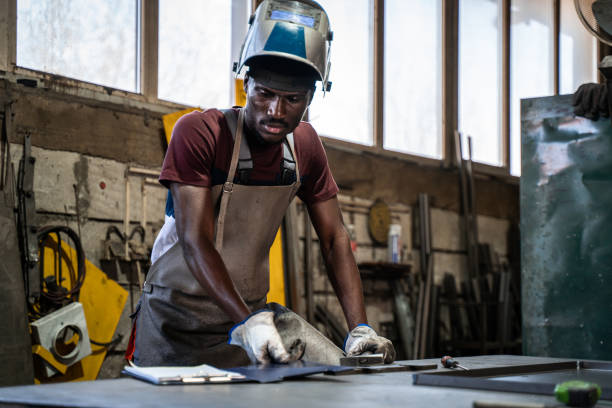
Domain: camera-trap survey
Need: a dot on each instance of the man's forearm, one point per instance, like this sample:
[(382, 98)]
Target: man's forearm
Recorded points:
[(344, 276)]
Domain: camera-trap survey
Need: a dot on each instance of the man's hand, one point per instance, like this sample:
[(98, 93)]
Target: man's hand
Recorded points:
[(591, 101), (363, 339), (258, 336)]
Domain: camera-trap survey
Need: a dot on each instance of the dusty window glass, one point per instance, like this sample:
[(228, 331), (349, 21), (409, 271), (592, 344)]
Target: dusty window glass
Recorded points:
[(578, 51), (531, 63), (479, 79), (413, 77), (346, 112), (93, 41), (195, 50)]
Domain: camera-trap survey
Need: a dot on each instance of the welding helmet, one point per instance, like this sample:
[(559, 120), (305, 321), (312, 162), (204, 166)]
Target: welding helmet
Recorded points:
[(297, 30)]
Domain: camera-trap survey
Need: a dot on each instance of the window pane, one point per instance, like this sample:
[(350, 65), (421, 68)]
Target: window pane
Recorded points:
[(413, 77), (578, 51), (346, 112), (531, 41), (479, 79), (195, 52), (94, 40)]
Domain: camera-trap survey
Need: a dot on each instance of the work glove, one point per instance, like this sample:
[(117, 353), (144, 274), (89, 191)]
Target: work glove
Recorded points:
[(591, 101), (364, 339), (258, 336)]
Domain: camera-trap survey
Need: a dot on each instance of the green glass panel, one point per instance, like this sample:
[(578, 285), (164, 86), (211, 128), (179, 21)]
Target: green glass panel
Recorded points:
[(566, 231)]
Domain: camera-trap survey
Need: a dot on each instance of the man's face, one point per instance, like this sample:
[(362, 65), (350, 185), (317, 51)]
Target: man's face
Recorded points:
[(273, 113)]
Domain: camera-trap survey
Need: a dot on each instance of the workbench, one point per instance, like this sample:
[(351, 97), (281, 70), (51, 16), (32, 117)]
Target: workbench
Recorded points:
[(393, 389)]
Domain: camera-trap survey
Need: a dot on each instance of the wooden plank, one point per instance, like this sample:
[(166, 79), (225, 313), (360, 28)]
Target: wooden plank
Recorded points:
[(450, 76), (505, 91), (149, 41), (379, 71), (8, 35), (58, 122)]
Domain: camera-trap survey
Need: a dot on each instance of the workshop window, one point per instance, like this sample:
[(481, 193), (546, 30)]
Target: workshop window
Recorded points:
[(531, 63), (578, 51), (346, 112), (480, 79), (413, 77), (195, 50), (93, 41)]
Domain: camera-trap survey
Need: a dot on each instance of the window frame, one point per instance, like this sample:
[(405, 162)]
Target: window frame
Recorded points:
[(147, 72)]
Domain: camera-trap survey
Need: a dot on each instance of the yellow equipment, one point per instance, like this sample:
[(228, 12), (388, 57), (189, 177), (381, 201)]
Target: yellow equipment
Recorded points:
[(102, 300)]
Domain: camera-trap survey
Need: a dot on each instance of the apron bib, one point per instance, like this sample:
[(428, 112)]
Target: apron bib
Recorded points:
[(177, 322)]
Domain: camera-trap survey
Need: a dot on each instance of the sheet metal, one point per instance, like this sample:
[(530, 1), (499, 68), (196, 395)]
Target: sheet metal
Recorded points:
[(566, 231)]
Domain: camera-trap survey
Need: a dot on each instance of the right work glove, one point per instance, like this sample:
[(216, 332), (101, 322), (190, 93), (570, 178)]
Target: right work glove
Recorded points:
[(591, 101), (258, 336), (364, 339)]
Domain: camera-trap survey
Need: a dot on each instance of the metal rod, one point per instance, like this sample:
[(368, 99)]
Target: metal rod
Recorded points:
[(556, 41), (505, 82), (126, 218), (308, 275)]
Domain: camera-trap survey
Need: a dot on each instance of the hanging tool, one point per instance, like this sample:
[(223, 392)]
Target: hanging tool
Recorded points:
[(578, 393), (449, 362)]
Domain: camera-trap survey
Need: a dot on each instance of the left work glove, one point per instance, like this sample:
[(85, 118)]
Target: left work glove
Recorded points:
[(363, 338), (591, 101), (258, 336)]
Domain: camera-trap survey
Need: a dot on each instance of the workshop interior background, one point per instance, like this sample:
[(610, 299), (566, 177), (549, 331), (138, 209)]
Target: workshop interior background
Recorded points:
[(85, 87)]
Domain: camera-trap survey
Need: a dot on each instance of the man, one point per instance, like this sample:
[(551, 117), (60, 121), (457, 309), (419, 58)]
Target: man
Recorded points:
[(231, 176)]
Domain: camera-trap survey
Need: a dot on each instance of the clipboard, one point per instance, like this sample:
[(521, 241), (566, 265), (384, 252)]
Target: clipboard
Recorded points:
[(183, 375), (206, 374)]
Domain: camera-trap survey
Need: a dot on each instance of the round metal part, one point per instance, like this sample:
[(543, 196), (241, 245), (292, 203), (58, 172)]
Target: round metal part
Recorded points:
[(379, 220)]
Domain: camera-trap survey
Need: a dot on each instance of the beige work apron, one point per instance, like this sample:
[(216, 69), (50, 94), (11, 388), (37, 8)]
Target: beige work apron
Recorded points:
[(177, 322)]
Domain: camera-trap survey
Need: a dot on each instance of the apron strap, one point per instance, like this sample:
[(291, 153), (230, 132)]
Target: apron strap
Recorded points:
[(228, 187), (289, 141), (245, 161)]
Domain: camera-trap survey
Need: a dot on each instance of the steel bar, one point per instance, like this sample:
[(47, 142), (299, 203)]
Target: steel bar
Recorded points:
[(404, 317), (450, 291), (424, 286), (308, 275)]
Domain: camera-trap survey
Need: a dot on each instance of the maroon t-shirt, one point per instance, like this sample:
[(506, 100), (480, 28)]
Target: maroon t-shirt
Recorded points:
[(201, 147)]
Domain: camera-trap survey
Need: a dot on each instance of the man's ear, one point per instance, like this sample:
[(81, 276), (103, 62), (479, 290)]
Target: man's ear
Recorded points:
[(311, 96), (245, 82)]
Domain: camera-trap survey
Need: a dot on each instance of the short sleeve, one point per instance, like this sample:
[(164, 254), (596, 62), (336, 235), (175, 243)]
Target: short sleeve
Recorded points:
[(190, 155), (318, 184)]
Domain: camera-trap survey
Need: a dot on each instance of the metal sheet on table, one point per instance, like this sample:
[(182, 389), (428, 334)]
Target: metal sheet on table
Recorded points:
[(601, 377)]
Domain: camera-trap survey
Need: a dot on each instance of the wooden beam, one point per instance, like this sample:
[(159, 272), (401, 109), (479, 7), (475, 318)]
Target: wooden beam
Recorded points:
[(149, 43), (450, 77), (8, 35), (505, 91), (379, 73)]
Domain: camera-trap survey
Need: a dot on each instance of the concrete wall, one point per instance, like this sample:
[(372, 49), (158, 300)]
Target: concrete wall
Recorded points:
[(84, 146)]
